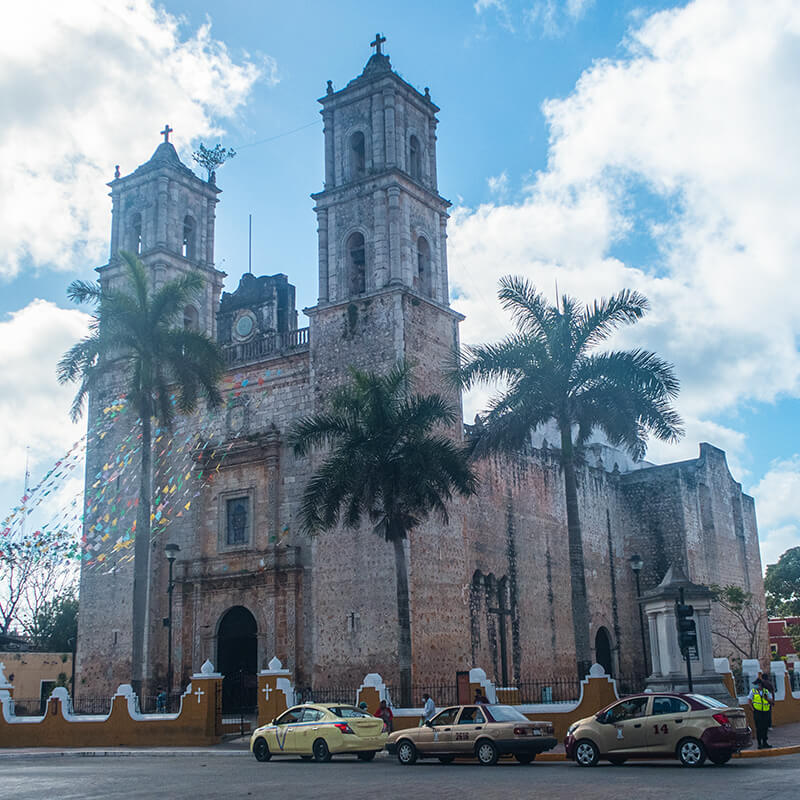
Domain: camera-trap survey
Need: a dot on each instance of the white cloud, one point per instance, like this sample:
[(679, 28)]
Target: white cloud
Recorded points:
[(33, 406), (777, 497), (554, 17), (689, 139), (84, 84), (498, 184)]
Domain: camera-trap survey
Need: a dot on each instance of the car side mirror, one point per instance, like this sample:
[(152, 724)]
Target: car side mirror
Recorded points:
[(273, 722), (602, 717), (428, 723)]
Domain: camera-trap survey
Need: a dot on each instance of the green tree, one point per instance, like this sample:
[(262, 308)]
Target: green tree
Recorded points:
[(136, 338), (548, 370), (782, 585), (390, 461), (744, 624), (54, 627)]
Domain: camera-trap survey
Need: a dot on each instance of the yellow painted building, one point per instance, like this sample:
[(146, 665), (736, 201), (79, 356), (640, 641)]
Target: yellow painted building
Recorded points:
[(34, 675)]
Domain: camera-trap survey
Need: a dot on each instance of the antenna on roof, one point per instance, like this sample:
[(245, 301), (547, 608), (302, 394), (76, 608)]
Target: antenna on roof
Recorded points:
[(250, 244)]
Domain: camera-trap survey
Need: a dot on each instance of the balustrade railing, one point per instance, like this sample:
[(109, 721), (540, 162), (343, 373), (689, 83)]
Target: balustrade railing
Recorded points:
[(263, 346)]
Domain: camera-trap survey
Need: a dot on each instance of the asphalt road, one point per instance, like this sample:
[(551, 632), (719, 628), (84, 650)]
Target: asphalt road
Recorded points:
[(235, 776)]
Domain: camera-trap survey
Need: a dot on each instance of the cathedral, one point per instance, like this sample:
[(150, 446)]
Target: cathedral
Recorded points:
[(490, 589)]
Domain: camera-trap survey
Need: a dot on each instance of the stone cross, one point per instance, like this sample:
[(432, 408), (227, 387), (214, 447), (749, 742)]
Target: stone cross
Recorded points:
[(166, 132), (266, 692), (379, 40), (199, 693)]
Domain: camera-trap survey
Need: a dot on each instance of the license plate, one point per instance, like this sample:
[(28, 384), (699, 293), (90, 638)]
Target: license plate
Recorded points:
[(537, 732), (739, 722)]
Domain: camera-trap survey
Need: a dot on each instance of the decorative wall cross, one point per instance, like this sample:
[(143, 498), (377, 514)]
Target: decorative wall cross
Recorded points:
[(379, 40), (166, 132), (266, 691), (199, 693)]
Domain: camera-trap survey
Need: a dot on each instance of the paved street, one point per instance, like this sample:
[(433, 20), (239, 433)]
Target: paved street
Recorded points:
[(234, 775)]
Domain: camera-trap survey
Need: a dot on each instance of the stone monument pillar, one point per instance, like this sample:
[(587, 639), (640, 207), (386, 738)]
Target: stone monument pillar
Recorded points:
[(669, 664)]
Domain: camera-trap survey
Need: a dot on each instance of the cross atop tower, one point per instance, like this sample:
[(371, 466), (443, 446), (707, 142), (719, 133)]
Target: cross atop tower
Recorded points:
[(166, 132), (379, 40)]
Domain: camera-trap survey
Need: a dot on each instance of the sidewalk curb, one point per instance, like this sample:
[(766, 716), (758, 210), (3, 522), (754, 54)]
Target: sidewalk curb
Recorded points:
[(775, 751), (16, 754)]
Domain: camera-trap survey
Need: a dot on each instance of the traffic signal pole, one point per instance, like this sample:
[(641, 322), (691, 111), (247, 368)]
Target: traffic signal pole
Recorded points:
[(686, 652)]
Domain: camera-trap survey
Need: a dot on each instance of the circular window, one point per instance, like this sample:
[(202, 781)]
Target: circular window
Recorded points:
[(244, 326)]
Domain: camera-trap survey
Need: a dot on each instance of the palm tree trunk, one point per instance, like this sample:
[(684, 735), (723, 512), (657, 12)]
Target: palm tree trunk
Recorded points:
[(141, 562), (403, 622), (580, 604)]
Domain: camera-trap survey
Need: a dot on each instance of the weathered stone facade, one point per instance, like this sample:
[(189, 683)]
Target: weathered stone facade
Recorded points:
[(496, 575)]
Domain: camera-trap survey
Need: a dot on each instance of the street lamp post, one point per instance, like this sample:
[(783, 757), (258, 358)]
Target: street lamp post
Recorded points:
[(171, 551), (637, 563)]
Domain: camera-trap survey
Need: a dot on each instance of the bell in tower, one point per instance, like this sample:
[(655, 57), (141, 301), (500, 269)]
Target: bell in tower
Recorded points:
[(165, 214)]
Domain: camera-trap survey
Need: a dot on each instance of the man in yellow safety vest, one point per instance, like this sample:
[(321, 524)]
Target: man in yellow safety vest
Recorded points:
[(761, 698)]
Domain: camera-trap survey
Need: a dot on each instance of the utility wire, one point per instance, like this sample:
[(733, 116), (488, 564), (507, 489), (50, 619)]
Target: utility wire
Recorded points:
[(277, 136)]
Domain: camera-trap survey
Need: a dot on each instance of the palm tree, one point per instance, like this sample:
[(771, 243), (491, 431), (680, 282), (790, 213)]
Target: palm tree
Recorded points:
[(135, 336), (549, 372), (386, 463)]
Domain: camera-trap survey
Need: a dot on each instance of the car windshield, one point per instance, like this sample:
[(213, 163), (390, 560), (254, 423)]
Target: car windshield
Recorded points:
[(348, 712), (711, 702), (506, 714)]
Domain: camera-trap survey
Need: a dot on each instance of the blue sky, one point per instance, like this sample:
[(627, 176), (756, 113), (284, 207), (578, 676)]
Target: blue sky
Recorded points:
[(595, 143)]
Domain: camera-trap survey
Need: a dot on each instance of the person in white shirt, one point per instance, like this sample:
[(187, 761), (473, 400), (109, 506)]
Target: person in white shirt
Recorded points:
[(428, 710)]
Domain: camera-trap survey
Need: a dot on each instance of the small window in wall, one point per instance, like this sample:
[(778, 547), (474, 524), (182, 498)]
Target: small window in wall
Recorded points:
[(135, 238), (357, 264), (188, 246), (358, 156), (414, 158), (237, 520), (191, 318), (423, 281)]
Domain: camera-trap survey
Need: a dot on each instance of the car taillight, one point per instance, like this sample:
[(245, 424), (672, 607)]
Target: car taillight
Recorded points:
[(721, 718), (521, 731), (344, 727)]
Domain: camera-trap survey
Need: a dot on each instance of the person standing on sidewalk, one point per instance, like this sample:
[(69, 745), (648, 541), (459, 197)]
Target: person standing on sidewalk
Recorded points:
[(428, 709), (761, 698)]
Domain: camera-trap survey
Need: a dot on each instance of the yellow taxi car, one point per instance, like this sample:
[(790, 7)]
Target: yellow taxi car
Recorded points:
[(319, 731), (689, 727), (485, 732)]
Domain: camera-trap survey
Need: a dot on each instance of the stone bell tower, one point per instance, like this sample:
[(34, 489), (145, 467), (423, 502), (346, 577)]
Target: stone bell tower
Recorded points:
[(382, 225), (165, 214), (383, 297)]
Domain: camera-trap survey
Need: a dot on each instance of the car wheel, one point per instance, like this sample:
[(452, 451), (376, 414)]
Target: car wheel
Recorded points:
[(586, 753), (486, 753), (525, 758), (368, 756), (617, 761), (719, 760), (691, 753), (406, 752), (261, 750), (321, 752), (446, 759)]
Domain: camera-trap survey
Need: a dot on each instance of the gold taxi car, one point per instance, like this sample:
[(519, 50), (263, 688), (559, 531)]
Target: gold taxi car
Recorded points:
[(319, 731), (485, 732), (689, 727)]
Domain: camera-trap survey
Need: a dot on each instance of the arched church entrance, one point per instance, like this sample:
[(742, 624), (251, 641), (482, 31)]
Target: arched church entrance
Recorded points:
[(237, 659), (602, 650)]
